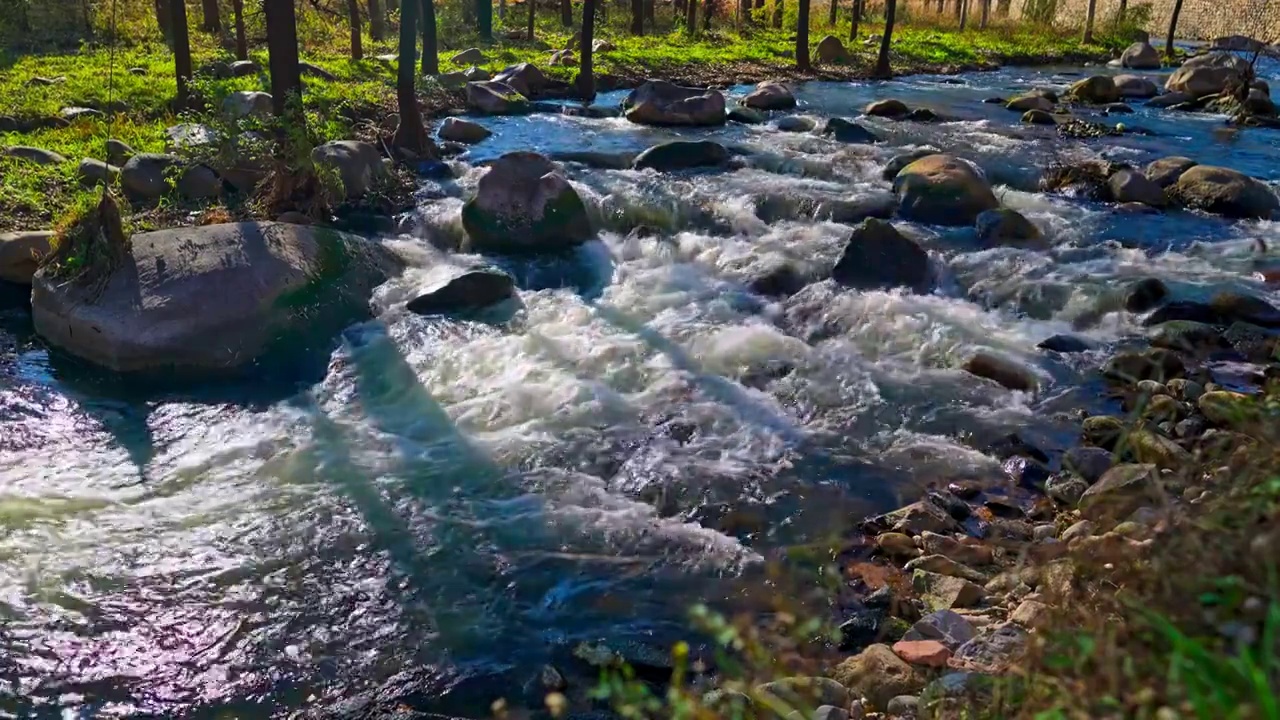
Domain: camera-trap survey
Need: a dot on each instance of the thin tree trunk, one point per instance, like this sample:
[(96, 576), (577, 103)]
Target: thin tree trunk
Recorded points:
[(532, 9), (802, 34), (566, 13), (237, 16), (940, 6), (651, 13), (431, 45), (484, 18), (1124, 7), (882, 63), (282, 50), (959, 9), (778, 9), (181, 52), (586, 83), (986, 14), (1088, 21), (964, 13), (502, 9), (637, 17), (212, 17), (164, 19), (353, 18), (691, 17), (856, 17), (377, 21), (708, 13), (831, 13), (1173, 28), (411, 135)]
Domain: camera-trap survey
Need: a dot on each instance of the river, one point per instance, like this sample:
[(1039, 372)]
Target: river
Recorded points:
[(457, 502)]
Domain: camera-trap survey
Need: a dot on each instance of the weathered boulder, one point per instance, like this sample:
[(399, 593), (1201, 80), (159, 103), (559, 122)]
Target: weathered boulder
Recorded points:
[(188, 136), (897, 162), (39, 156), (1002, 370), (357, 163), (1121, 490), (243, 68), (451, 80), (149, 175), (879, 257), (494, 98), (1003, 227), (1140, 56), (118, 153), (247, 104), (848, 131), (796, 124), (878, 674), (1145, 294), (1166, 171), (602, 45), (526, 78), (199, 182), (1135, 86), (21, 253), (470, 56), (658, 102), (564, 58), (1224, 191), (310, 69), (1132, 186), (746, 116), (524, 204), (1023, 103), (943, 190), (889, 108), (476, 74), (213, 297), (93, 172), (1038, 117), (682, 155), (806, 691), (1096, 90), (770, 95), (831, 50), (464, 131), (1207, 74), (471, 290)]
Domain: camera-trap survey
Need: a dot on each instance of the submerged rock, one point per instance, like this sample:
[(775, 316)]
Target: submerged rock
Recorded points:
[(1065, 344), (682, 155), (1038, 117), (1005, 227), (1025, 103), (21, 253), (1227, 192), (213, 297), (877, 256), (848, 131), (471, 290), (796, 123), (770, 95), (658, 102), (746, 116), (1003, 371), (524, 204), (890, 108), (1169, 99), (1145, 294), (943, 190)]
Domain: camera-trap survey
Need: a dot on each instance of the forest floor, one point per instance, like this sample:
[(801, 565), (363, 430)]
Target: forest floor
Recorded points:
[(134, 86)]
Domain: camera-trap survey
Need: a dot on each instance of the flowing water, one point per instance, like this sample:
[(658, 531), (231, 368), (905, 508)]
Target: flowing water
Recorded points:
[(457, 502)]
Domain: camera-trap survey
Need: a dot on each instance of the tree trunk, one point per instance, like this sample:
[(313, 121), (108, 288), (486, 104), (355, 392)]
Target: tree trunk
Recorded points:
[(411, 135), (882, 63), (212, 17), (566, 13), (802, 33), (586, 83), (377, 21), (856, 17), (181, 51), (431, 45), (959, 9), (831, 13), (778, 9), (484, 18), (637, 17), (940, 6), (1173, 28), (708, 13), (986, 14), (691, 17), (502, 9), (164, 19), (532, 10), (1088, 21), (237, 16), (651, 13), (353, 17), (282, 51), (964, 13), (1124, 6)]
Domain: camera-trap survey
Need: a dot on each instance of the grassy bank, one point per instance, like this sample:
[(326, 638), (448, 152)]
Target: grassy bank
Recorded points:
[(136, 85)]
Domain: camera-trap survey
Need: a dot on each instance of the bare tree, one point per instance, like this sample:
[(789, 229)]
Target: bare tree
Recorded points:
[(181, 51), (1173, 28), (882, 63), (164, 20), (964, 13), (586, 83), (411, 135), (282, 49), (212, 16), (1120, 13), (691, 17), (831, 13), (237, 16), (484, 18), (802, 33), (778, 9), (637, 17), (566, 13), (377, 21), (431, 45), (856, 18), (986, 14), (1088, 21), (353, 17), (708, 13)]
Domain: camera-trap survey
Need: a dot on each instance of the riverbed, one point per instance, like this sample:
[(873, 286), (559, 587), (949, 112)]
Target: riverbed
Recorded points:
[(449, 504)]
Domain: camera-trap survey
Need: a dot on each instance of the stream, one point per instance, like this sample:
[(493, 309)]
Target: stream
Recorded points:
[(457, 502)]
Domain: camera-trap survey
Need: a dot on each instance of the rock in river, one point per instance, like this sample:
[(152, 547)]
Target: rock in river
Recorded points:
[(1223, 191), (770, 95), (524, 204), (471, 290), (21, 253), (682, 155), (943, 190), (879, 257), (1135, 86), (1003, 371), (890, 108), (1005, 227), (494, 98), (848, 131), (1140, 56), (1096, 90), (1128, 186), (1166, 171), (1206, 74), (357, 163), (213, 297), (658, 102), (463, 131)]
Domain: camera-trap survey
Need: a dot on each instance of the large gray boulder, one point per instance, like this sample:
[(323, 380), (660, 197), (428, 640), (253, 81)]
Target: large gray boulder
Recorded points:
[(21, 253), (149, 175), (1135, 86), (213, 298), (658, 102), (526, 78), (1140, 56), (1224, 191), (1207, 74), (770, 95), (878, 257), (523, 204), (943, 190), (247, 103), (682, 155), (463, 131), (491, 97), (357, 163)]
